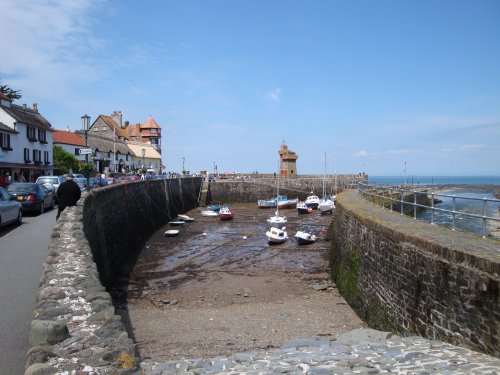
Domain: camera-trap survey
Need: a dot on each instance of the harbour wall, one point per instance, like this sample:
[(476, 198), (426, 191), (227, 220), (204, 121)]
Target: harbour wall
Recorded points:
[(257, 187), (76, 327), (411, 277)]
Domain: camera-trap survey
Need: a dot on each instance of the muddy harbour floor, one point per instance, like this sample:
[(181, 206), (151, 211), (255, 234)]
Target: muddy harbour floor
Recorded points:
[(219, 288)]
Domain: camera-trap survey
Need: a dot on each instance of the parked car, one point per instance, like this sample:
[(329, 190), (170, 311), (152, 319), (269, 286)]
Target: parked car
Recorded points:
[(124, 179), (55, 181), (82, 182), (11, 211), (33, 196), (111, 180)]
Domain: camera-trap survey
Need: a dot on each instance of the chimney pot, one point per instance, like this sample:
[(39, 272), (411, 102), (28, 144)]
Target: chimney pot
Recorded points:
[(35, 106)]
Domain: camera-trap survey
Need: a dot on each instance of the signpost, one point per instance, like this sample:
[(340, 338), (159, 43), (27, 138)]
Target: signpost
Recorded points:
[(85, 151)]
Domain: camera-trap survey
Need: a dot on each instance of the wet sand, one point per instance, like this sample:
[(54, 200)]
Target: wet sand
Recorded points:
[(210, 291)]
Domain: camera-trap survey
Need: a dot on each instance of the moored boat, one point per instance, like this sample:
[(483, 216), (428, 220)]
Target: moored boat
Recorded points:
[(312, 201), (215, 206), (276, 235), (267, 203), (209, 213), (177, 223), (326, 205), (225, 213), (303, 209), (185, 218), (277, 220), (304, 238), (171, 233), (284, 202)]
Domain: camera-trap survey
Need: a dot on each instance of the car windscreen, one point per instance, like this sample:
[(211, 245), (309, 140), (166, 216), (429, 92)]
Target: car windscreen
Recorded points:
[(49, 180), (30, 188)]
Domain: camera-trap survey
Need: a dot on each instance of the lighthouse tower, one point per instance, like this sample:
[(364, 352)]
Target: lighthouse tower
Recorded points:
[(288, 162)]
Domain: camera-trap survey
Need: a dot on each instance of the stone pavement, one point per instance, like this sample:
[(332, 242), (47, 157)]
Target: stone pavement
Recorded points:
[(361, 351)]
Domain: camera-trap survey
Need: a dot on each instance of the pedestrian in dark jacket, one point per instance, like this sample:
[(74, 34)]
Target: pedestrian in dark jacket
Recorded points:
[(68, 194)]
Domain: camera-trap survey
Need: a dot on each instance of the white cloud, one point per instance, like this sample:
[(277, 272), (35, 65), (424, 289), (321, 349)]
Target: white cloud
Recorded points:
[(361, 153), (274, 95), (472, 147)]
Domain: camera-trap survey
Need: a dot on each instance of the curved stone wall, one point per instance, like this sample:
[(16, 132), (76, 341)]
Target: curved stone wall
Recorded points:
[(75, 327), (409, 276)]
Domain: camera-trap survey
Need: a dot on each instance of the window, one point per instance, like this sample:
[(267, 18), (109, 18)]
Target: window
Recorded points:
[(153, 131), (96, 128), (46, 157), (77, 151), (27, 155), (126, 157), (42, 136), (31, 133), (37, 155), (116, 155), (5, 142)]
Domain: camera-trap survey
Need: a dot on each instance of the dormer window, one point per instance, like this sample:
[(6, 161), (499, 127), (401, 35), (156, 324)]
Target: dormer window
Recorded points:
[(96, 128)]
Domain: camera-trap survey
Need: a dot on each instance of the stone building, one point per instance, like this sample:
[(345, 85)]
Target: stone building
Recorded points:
[(288, 161)]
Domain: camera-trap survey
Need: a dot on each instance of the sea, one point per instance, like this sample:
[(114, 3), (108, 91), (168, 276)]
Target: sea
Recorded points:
[(471, 193)]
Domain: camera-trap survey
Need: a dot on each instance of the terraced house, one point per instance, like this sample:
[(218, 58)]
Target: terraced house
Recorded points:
[(25, 142)]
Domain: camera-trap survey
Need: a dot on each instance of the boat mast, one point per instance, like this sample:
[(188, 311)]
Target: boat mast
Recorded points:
[(278, 187), (335, 174), (324, 179)]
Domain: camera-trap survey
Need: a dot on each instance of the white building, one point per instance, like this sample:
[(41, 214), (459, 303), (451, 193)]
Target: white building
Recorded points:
[(25, 142)]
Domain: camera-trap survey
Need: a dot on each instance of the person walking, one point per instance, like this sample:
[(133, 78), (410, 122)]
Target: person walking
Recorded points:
[(68, 193)]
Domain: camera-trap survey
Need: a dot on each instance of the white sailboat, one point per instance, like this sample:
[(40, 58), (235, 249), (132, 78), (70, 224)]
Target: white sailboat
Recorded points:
[(326, 204), (277, 220)]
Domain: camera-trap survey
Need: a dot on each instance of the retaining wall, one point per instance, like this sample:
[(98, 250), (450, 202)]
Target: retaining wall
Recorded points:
[(76, 327), (409, 276)]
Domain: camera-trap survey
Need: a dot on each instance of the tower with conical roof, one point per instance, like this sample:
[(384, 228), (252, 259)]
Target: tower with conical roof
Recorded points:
[(151, 133), (288, 161)]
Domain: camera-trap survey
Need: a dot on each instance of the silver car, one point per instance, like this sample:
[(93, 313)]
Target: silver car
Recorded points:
[(53, 180), (11, 211)]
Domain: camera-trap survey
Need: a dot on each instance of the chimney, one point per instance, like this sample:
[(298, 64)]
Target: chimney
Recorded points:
[(25, 106), (35, 107), (126, 124), (117, 117)]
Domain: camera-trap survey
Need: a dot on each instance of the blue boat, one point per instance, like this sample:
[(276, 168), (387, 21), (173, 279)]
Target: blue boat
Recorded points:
[(215, 206)]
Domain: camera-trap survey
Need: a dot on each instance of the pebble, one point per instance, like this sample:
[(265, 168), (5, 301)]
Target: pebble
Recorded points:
[(362, 351)]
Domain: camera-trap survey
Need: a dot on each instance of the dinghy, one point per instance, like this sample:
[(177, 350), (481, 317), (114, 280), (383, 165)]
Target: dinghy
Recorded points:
[(225, 213), (185, 218), (176, 223), (171, 233), (209, 213)]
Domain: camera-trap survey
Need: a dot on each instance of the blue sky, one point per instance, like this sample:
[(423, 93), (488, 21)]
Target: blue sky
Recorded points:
[(374, 84)]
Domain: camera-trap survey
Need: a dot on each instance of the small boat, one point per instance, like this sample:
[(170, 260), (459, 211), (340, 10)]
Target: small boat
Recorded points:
[(225, 213), (267, 203), (276, 235), (304, 238), (312, 201), (326, 205), (277, 220), (176, 223), (284, 202), (186, 218), (171, 233), (303, 209), (215, 206), (209, 213)]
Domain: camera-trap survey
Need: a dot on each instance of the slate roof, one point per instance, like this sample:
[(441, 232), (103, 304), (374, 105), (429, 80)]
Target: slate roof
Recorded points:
[(7, 129), (113, 125), (103, 144), (68, 138), (27, 116)]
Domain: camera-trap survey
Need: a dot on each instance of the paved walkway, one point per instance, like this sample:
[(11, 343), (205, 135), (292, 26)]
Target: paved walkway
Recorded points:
[(361, 351)]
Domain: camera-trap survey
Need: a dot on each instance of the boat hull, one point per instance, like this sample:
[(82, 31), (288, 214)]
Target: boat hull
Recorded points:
[(266, 203)]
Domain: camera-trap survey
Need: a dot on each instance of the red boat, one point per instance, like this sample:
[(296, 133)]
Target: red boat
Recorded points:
[(225, 213)]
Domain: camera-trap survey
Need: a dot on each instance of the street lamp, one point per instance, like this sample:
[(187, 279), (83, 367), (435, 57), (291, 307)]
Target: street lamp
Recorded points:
[(85, 128), (143, 154)]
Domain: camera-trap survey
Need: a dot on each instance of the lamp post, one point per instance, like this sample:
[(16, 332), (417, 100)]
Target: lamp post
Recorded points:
[(143, 154), (183, 160), (85, 128)]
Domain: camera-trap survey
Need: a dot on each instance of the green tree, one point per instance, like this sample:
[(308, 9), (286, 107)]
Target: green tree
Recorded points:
[(12, 94), (65, 161)]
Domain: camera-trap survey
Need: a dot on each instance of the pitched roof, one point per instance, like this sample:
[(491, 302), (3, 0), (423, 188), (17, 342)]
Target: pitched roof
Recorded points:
[(113, 125), (7, 129), (150, 124), (68, 138), (28, 116), (134, 130), (103, 144), (151, 152)]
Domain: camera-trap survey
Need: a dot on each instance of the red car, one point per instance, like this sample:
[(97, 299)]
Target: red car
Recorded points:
[(124, 179)]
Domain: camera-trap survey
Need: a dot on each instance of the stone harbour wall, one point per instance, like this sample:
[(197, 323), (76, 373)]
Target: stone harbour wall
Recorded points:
[(76, 329), (253, 188), (411, 277)]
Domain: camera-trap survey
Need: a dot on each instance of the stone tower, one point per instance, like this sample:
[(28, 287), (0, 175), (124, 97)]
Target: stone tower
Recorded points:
[(288, 162)]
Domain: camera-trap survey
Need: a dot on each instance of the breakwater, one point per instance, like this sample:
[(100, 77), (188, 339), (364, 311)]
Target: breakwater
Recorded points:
[(410, 277), (265, 186)]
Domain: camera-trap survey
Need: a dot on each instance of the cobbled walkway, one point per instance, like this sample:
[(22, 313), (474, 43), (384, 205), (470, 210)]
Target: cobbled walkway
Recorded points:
[(361, 351)]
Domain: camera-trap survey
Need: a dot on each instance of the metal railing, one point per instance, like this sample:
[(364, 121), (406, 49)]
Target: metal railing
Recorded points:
[(411, 201)]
